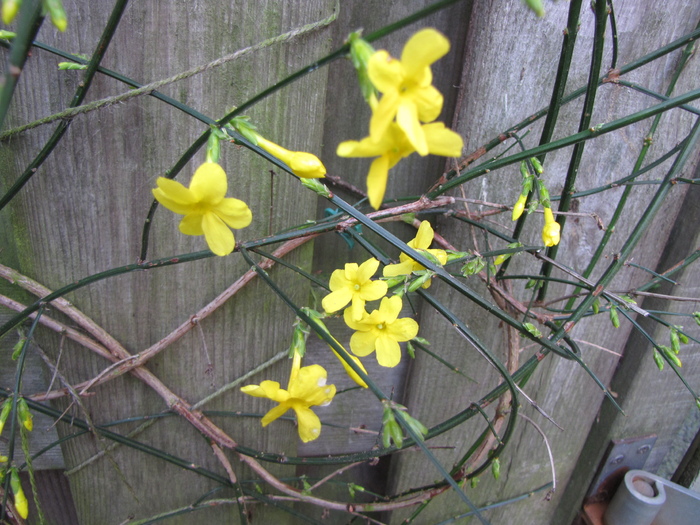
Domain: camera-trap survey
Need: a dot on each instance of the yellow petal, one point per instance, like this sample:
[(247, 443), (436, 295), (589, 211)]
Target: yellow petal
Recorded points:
[(219, 237), (403, 329), (376, 181), (363, 343), (383, 115), (357, 307), (274, 413), (442, 141), (424, 237), (192, 224), (390, 307), (407, 119), (422, 49), (403, 268), (385, 72), (174, 196), (338, 280), (234, 212), (388, 352), (308, 422), (373, 290), (428, 101), (308, 385), (334, 301), (268, 389), (209, 183), (366, 270)]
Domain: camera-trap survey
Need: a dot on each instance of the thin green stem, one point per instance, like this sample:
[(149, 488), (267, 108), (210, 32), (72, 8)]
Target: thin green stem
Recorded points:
[(601, 17)]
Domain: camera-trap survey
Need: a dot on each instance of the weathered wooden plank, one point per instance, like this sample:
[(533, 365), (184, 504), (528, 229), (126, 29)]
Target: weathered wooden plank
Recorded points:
[(84, 211)]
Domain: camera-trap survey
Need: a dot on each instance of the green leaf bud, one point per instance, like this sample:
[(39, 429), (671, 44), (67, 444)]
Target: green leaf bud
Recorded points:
[(213, 148), (596, 306), (531, 328), (315, 186), (57, 14), (474, 482), (496, 468), (535, 6), (411, 351), (7, 35), (24, 415), (614, 319), (65, 66), (675, 341), (360, 52), (474, 266), (658, 359), (17, 349), (537, 165), (5, 412), (670, 354), (424, 276)]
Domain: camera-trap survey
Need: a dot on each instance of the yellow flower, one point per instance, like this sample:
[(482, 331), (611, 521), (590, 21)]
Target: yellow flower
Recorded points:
[(204, 206), (519, 207), (406, 85), (394, 145), (551, 229), (421, 242), (382, 331), (354, 284), (302, 164), (307, 387)]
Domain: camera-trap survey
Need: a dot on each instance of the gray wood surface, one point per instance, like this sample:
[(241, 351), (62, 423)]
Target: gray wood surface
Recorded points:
[(84, 210)]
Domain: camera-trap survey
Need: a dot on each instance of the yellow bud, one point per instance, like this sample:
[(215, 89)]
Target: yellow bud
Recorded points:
[(302, 164), (519, 207)]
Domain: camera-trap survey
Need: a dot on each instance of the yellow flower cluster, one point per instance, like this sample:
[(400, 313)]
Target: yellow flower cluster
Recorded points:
[(408, 99)]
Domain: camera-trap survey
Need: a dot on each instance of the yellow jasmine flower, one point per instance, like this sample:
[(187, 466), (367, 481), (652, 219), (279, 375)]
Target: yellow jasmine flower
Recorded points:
[(394, 145), (421, 242), (302, 164), (382, 331), (551, 229), (207, 212), (406, 85), (307, 387), (354, 284), (519, 207)]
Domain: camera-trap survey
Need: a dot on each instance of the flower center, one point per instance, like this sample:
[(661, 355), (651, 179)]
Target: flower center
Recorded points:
[(357, 287), (380, 326)]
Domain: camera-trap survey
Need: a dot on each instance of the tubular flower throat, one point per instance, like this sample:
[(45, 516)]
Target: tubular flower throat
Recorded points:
[(382, 331), (421, 242), (303, 164), (307, 387), (406, 85), (354, 284), (551, 230), (392, 146), (205, 208)]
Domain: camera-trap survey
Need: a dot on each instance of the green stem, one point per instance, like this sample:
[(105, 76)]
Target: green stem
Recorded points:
[(601, 17)]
